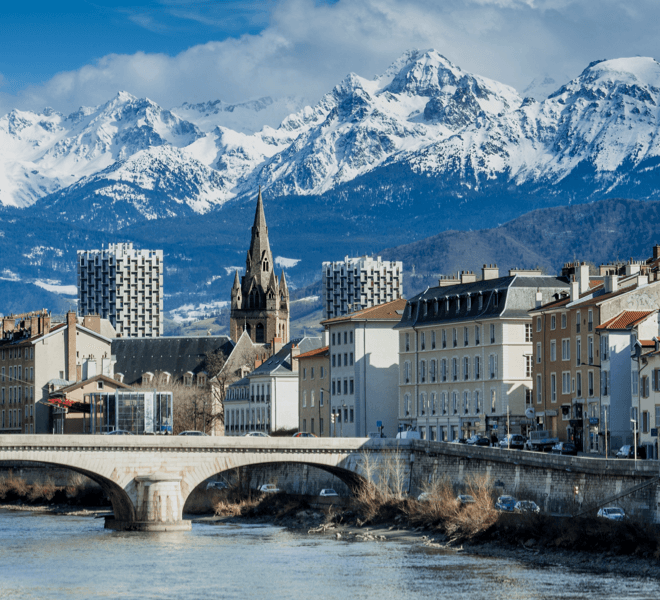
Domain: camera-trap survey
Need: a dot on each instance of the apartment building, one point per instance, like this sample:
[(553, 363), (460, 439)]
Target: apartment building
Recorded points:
[(314, 392), (364, 370), (357, 283), (646, 420), (585, 388), (36, 356), (465, 353), (267, 398), (125, 286)]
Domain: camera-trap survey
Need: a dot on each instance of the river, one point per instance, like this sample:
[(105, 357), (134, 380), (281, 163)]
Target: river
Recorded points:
[(46, 556)]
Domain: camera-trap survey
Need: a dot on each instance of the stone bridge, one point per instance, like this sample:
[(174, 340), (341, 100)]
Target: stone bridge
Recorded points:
[(149, 478)]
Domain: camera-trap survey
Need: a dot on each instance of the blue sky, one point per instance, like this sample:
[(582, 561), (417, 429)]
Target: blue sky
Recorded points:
[(68, 54)]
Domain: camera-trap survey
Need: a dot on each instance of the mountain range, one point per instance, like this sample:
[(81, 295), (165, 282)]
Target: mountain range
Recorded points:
[(423, 148)]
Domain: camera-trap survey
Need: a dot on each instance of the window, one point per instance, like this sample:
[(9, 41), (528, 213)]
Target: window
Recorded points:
[(496, 299), (539, 392), (466, 402), (469, 302), (481, 301), (553, 322), (528, 366), (590, 349), (538, 352), (333, 339), (406, 372), (566, 349), (553, 387), (321, 398), (345, 359), (304, 399), (422, 404), (345, 337), (635, 383), (590, 383), (304, 373), (528, 332), (577, 322), (351, 359), (322, 375), (454, 337), (477, 402), (604, 348), (477, 367), (590, 322), (444, 403), (528, 397), (433, 368), (538, 323), (477, 339), (423, 340), (493, 400), (407, 342), (352, 414), (578, 351), (553, 350), (566, 382), (492, 333), (563, 321), (492, 366), (645, 386), (657, 416), (350, 336), (604, 383), (443, 369), (466, 338), (321, 426), (578, 384), (645, 421), (454, 402), (351, 389), (406, 405), (466, 368), (454, 369), (422, 371), (433, 340), (434, 402), (345, 387), (311, 373), (334, 391), (334, 360)]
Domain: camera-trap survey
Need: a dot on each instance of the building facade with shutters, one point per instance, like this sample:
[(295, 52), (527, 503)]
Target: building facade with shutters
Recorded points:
[(357, 283), (465, 354), (125, 286), (314, 392)]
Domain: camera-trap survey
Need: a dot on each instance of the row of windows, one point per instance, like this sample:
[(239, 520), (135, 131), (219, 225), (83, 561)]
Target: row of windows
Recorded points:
[(321, 426), (449, 403), (566, 350), (255, 419), (564, 321), (312, 371), (348, 359), (463, 369), (348, 337), (17, 353), (453, 305), (311, 398), (432, 337), (349, 387), (348, 412), (15, 373), (16, 394), (13, 419), (572, 385)]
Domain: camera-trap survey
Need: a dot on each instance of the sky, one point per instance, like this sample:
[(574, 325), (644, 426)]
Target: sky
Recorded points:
[(68, 54)]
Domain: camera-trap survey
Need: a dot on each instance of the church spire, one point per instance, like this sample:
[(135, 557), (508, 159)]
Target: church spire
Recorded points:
[(259, 216)]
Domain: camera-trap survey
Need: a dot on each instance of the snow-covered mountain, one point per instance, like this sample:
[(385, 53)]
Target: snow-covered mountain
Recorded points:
[(424, 126)]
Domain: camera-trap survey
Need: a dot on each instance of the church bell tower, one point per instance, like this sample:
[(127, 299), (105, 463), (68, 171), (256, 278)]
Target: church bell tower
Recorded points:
[(260, 300)]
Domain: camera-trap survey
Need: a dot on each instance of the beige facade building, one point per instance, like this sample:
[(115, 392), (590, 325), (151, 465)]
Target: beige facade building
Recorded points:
[(314, 392), (465, 354), (36, 356), (125, 286)]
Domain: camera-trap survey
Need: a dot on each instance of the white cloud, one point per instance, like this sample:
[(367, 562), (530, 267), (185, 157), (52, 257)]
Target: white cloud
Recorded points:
[(309, 46)]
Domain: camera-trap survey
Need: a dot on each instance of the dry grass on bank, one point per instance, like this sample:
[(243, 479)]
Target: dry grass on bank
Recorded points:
[(77, 491)]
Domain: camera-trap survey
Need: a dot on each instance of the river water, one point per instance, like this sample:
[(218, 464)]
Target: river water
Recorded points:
[(46, 556)]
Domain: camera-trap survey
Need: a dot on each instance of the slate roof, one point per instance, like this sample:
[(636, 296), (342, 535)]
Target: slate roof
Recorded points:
[(380, 312), (431, 306), (625, 319), (280, 363), (176, 355)]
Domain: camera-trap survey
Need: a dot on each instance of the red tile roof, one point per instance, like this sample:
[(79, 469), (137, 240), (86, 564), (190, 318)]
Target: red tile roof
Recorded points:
[(380, 312), (313, 353), (625, 319)]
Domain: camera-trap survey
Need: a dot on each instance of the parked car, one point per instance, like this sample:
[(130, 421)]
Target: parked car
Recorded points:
[(541, 441), (192, 433), (409, 435), (613, 513), (216, 485), (459, 441), (269, 488), (629, 452), (567, 448), (465, 499), (256, 434), (478, 440), (506, 503), (328, 492), (303, 434), (517, 441), (526, 506), (118, 432)]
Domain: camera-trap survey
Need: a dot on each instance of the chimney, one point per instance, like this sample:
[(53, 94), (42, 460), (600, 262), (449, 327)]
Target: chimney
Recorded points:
[(575, 289), (539, 298), (656, 252), (71, 372), (447, 280), (583, 278), (631, 268), (92, 322), (276, 344), (611, 283), (295, 353), (468, 277), (489, 272)]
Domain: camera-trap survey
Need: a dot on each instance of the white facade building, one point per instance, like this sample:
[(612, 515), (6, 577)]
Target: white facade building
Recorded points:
[(364, 370), (357, 283), (125, 286)]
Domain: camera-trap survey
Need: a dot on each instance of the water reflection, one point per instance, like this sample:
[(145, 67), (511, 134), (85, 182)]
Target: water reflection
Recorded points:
[(73, 557)]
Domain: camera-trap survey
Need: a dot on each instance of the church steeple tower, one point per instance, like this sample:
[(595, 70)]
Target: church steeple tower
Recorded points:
[(258, 305)]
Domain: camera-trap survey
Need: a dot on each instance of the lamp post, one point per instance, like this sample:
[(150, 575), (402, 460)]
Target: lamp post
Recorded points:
[(634, 422)]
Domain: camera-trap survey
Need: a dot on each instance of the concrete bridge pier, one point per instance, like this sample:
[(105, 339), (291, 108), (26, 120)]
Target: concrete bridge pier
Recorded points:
[(158, 505)]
